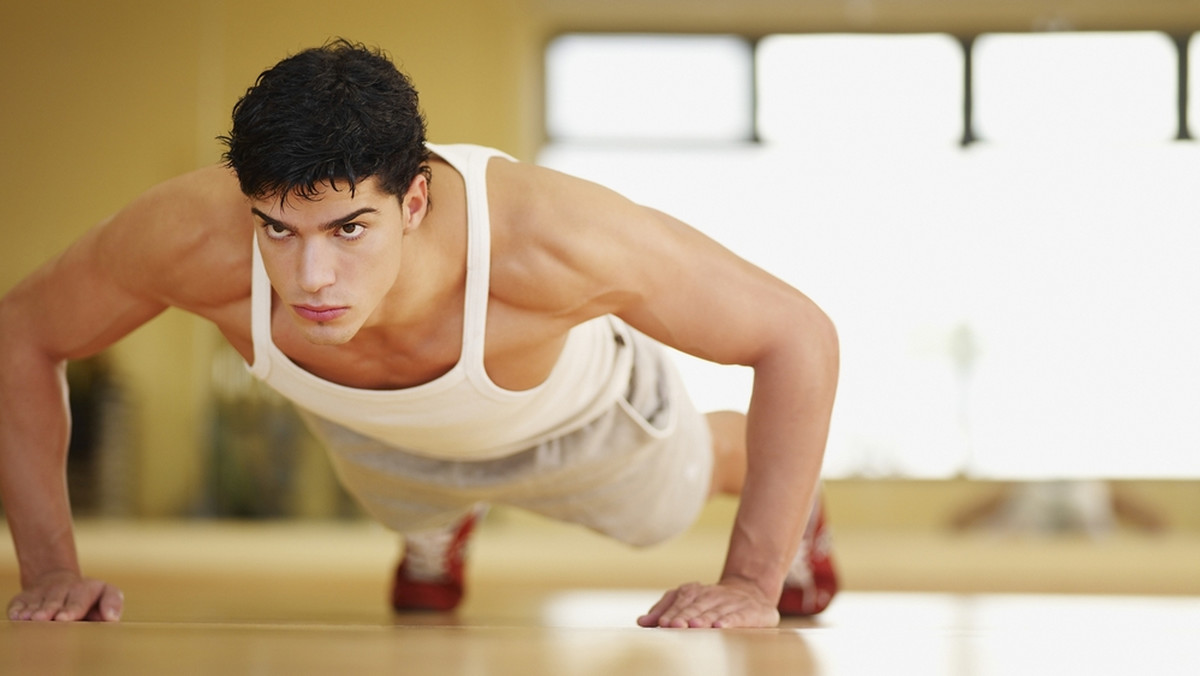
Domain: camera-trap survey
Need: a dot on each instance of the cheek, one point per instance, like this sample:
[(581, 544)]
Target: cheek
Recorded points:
[(277, 269), (377, 274)]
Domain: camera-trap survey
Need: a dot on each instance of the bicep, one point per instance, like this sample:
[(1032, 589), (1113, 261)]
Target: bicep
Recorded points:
[(701, 298), (164, 248), (662, 276), (78, 303)]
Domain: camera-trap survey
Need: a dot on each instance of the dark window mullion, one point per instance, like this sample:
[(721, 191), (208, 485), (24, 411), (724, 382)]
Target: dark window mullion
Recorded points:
[(755, 132), (968, 47), (1181, 49)]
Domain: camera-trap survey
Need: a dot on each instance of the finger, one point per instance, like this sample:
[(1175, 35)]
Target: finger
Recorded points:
[(51, 602), (704, 612), (748, 617), (651, 618), (731, 619), (80, 600), (26, 604), (688, 602), (16, 609), (717, 607), (723, 610), (704, 619), (112, 604), (681, 597), (713, 606), (83, 602)]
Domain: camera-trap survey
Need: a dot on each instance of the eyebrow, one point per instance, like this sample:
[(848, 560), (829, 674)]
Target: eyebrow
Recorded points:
[(330, 225)]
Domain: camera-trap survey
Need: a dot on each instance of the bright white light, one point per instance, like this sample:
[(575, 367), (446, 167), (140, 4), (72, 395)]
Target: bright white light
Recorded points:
[(1063, 87), (1084, 301), (1019, 311), (597, 608), (628, 87), (861, 89)]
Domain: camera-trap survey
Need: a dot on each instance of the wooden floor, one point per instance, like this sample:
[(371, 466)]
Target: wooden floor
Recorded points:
[(576, 633), (308, 599)]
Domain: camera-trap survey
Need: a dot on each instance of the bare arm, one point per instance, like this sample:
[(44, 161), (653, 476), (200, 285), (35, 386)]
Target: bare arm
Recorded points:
[(747, 317), (115, 278), (68, 309), (685, 290)]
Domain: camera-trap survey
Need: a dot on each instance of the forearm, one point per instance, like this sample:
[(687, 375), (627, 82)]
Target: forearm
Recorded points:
[(787, 429), (34, 428)]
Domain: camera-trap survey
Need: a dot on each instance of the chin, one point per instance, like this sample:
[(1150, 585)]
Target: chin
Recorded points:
[(328, 341), (328, 336)]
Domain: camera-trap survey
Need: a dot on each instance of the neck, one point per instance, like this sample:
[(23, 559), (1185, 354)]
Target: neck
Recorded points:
[(429, 290)]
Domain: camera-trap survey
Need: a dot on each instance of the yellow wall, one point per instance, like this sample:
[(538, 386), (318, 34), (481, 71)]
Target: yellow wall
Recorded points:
[(99, 100)]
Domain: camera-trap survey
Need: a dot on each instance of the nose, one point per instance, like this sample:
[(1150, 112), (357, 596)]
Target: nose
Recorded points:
[(316, 269)]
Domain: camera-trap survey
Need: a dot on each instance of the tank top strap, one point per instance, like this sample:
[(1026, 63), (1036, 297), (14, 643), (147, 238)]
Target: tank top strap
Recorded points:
[(260, 315), (472, 163), (479, 265)]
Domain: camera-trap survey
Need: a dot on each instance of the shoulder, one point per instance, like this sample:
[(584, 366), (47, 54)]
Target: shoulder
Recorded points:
[(531, 190), (563, 243), (183, 242), (172, 246)]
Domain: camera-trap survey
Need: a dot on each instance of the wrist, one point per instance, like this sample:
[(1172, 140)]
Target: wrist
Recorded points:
[(766, 589), (41, 578)]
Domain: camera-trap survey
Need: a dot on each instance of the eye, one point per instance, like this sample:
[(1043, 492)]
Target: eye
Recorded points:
[(276, 231), (351, 231)]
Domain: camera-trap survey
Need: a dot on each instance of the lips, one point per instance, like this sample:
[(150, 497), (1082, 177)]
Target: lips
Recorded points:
[(319, 314)]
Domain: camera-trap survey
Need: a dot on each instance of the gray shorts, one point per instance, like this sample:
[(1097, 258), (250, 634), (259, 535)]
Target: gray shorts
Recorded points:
[(639, 473)]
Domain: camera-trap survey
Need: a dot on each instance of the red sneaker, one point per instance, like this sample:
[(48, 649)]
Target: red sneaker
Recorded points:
[(812, 581), (430, 576)]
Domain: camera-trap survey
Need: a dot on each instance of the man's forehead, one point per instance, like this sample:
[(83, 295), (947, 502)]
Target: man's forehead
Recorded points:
[(320, 198)]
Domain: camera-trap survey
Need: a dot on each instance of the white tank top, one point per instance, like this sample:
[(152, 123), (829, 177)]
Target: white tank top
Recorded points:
[(461, 415)]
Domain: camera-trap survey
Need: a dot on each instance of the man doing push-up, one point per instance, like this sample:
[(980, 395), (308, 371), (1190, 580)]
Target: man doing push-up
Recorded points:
[(460, 329)]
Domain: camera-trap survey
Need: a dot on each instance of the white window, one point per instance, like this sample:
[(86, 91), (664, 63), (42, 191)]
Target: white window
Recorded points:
[(1103, 88), (658, 88), (849, 90), (1022, 307)]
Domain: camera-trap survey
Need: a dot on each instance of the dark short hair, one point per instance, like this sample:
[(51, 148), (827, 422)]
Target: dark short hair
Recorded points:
[(340, 112)]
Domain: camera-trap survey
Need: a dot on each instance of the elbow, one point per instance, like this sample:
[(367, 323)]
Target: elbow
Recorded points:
[(822, 345), (19, 345), (813, 330), (827, 335), (806, 341)]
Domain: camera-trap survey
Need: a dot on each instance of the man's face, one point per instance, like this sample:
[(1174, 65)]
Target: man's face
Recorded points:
[(333, 258)]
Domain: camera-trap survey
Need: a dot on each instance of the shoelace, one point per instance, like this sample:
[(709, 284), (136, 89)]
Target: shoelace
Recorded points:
[(799, 574), (425, 553)]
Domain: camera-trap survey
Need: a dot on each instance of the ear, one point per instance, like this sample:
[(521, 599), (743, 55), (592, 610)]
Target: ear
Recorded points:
[(414, 204)]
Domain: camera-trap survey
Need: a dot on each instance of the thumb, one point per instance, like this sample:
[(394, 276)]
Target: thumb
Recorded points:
[(112, 603)]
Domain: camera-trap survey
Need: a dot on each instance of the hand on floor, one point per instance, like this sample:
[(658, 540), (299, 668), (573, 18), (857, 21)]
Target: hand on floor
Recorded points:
[(725, 605), (65, 597)]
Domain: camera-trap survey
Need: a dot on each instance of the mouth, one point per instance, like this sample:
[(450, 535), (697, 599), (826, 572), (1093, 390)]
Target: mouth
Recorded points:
[(319, 313)]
